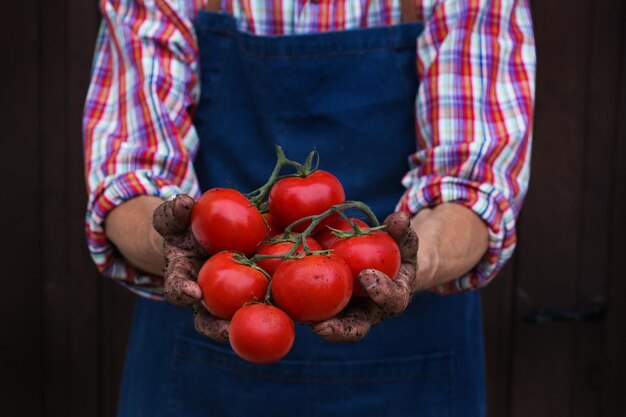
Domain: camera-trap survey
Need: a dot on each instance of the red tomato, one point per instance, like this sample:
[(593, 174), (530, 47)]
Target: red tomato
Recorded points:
[(224, 219), (269, 265), (260, 333), (376, 250), (293, 198), (227, 285), (273, 227), (313, 288), (326, 238)]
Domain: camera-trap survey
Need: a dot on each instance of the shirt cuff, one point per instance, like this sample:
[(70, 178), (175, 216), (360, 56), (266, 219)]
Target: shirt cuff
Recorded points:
[(484, 200), (113, 192)]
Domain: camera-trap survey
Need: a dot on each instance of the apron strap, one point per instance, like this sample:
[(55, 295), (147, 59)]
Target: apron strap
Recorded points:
[(409, 14)]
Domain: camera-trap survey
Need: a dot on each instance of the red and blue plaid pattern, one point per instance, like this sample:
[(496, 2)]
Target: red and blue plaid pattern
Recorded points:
[(476, 63)]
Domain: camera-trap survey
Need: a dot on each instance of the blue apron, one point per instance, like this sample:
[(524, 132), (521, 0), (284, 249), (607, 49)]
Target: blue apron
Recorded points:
[(351, 95)]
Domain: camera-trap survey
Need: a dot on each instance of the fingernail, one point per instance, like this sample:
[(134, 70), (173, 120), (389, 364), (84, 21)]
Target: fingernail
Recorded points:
[(324, 331), (193, 291), (372, 285), (368, 281)]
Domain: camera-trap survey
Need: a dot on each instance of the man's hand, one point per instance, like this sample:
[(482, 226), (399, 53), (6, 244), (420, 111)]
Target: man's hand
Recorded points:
[(453, 239), (183, 259), (386, 296)]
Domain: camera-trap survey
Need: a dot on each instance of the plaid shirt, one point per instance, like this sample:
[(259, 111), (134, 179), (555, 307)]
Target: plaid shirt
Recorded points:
[(475, 61)]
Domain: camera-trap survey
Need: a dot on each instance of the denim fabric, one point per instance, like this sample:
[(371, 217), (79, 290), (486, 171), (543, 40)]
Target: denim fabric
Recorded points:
[(351, 95)]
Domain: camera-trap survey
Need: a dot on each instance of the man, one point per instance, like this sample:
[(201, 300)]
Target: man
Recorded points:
[(183, 99)]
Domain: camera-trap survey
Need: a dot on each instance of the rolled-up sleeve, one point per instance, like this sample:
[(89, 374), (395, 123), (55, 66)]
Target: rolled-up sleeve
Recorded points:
[(137, 126), (476, 62)]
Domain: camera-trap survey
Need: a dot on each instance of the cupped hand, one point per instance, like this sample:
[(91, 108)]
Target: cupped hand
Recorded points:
[(183, 259), (387, 297)]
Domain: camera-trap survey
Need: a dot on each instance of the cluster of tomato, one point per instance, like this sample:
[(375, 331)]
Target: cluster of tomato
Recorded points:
[(296, 262)]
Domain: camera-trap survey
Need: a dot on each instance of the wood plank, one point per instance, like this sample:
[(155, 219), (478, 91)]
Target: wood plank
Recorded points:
[(85, 341), (589, 367), (115, 318), (54, 215), (498, 326), (547, 257), (614, 401), (117, 307), (21, 313)]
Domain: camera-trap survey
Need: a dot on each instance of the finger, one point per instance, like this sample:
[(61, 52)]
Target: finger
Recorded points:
[(409, 247), (399, 228), (397, 223), (184, 244), (183, 260), (181, 291), (210, 326), (391, 296), (346, 328), (181, 272), (406, 279), (173, 217)]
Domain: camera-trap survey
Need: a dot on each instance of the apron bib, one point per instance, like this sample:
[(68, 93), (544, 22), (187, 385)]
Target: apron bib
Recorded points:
[(351, 95)]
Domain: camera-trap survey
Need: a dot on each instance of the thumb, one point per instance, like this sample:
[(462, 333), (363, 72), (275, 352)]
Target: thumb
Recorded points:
[(399, 228), (390, 295), (173, 217)]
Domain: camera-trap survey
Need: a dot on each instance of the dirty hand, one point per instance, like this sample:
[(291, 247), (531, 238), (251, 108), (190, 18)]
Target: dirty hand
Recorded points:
[(183, 259), (387, 297)]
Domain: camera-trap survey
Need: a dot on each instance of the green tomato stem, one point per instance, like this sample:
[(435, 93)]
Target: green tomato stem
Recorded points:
[(307, 168), (301, 238), (258, 196), (355, 227), (268, 293), (315, 221), (338, 208), (295, 239)]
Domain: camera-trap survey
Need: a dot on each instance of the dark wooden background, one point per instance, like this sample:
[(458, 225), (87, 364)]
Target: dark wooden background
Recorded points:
[(64, 329)]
